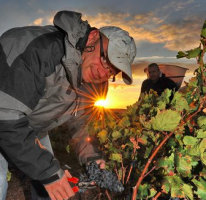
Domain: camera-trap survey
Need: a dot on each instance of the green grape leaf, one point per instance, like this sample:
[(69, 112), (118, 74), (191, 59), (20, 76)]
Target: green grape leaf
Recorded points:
[(68, 149), (166, 162), (203, 31), (187, 189), (152, 192), (171, 142), (193, 83), (174, 184), (183, 164), (116, 157), (103, 136), (177, 192), (203, 172), (124, 122), (201, 188), (143, 191), (166, 120), (180, 54), (126, 132), (203, 157), (204, 89), (202, 145), (127, 154), (161, 105), (149, 97), (201, 133), (112, 148), (131, 110), (193, 53), (164, 99), (165, 96), (150, 134), (179, 102), (189, 140), (148, 151), (8, 175), (166, 187), (201, 121), (116, 135), (111, 123), (193, 150), (145, 108), (146, 124)]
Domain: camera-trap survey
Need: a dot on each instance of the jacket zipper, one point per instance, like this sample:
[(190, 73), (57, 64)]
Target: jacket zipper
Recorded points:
[(76, 107)]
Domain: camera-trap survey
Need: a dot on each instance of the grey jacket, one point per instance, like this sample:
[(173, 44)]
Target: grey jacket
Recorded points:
[(40, 87)]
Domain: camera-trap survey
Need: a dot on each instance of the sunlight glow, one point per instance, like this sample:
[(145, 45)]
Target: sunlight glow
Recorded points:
[(101, 103)]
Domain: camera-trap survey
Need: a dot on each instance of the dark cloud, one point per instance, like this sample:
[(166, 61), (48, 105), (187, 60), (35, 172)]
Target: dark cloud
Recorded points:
[(138, 68)]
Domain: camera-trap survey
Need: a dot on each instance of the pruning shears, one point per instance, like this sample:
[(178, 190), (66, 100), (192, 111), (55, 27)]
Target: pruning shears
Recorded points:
[(84, 185), (81, 185)]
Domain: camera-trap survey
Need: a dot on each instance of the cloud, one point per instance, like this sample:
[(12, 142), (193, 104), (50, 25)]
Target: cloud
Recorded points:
[(149, 27), (154, 27), (138, 69), (38, 22), (175, 36), (182, 4), (120, 85), (45, 19)]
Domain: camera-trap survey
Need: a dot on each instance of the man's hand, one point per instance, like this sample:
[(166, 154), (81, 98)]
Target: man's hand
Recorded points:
[(101, 163), (60, 189)]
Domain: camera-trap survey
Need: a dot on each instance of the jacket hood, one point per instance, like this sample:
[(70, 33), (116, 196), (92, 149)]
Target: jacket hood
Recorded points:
[(75, 29), (72, 24)]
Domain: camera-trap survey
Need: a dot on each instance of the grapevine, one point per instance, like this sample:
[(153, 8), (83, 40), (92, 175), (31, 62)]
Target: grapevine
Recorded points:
[(158, 146)]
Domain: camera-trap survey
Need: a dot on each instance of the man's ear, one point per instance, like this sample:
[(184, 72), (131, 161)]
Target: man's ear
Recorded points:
[(93, 37)]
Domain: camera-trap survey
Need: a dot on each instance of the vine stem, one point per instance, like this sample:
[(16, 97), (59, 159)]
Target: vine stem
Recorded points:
[(201, 62), (99, 197), (136, 187), (157, 195), (122, 172), (131, 167), (115, 169), (108, 196), (149, 171), (130, 171)]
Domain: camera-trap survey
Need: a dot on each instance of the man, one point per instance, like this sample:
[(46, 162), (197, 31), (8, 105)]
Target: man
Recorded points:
[(42, 73), (157, 81)]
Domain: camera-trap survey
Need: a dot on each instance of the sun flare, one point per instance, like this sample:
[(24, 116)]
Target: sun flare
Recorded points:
[(101, 103)]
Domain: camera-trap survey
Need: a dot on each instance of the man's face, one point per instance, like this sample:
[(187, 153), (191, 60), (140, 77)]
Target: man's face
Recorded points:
[(153, 73), (96, 68)]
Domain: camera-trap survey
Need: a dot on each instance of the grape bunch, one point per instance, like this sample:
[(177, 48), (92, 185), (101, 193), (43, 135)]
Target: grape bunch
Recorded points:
[(102, 177)]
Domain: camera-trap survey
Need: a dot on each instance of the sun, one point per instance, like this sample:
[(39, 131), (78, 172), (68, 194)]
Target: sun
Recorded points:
[(101, 103)]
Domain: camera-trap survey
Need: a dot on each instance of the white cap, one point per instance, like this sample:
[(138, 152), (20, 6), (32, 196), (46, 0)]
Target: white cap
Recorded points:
[(121, 50)]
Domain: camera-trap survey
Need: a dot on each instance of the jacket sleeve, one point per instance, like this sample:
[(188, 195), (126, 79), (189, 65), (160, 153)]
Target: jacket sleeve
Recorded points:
[(17, 140), (22, 84), (86, 150)]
